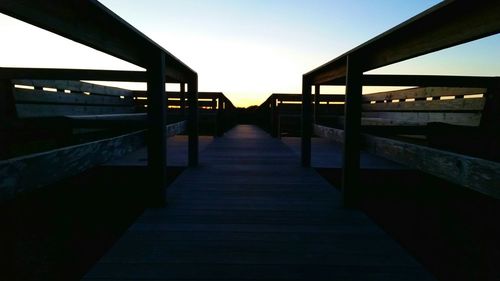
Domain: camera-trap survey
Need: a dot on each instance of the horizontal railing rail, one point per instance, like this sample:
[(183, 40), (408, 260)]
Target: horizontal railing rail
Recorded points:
[(447, 24)]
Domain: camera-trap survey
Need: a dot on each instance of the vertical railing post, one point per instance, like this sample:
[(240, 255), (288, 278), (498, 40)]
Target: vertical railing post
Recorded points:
[(317, 92), (490, 119), (157, 138), (272, 106), (193, 121), (182, 102), (352, 133), (7, 114), (7, 103), (306, 122), (275, 118), (220, 116), (270, 114)]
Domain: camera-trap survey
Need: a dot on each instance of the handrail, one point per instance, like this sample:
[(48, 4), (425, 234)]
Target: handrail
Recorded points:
[(90, 23), (447, 24), (444, 25)]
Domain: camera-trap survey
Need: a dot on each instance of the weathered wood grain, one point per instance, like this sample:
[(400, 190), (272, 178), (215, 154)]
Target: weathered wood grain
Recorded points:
[(34, 171), (422, 92), (472, 104), (455, 118), (474, 173)]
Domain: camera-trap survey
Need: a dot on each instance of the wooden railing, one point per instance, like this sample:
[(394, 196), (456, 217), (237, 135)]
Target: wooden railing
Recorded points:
[(445, 25), (44, 117), (215, 109), (281, 113), (97, 28)]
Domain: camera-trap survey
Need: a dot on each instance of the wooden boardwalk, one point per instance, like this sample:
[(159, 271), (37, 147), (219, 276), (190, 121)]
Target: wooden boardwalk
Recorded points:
[(250, 212)]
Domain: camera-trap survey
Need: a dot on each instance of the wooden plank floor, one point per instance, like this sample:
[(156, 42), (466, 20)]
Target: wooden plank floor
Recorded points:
[(250, 212)]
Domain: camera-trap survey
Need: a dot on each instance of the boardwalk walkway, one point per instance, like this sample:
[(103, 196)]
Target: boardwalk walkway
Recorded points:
[(250, 212)]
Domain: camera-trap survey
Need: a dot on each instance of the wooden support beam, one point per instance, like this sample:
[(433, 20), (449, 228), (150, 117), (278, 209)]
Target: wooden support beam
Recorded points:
[(351, 148), (490, 119), (421, 81), (445, 25), (7, 103), (220, 116), (7, 113), (274, 118), (317, 92), (157, 139), (91, 23), (183, 98), (193, 121), (76, 74), (298, 97), (306, 123)]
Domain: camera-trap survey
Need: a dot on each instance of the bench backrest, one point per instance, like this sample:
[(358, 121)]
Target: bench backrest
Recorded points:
[(48, 98), (457, 106)]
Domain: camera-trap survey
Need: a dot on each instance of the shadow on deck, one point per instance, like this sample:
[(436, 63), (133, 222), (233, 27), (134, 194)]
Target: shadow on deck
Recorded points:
[(251, 212)]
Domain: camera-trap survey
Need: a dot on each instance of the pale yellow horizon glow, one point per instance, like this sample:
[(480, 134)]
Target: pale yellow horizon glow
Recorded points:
[(247, 69)]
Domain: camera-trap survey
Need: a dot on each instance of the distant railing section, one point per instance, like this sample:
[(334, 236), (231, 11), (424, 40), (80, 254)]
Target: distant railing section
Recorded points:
[(280, 114), (217, 112)]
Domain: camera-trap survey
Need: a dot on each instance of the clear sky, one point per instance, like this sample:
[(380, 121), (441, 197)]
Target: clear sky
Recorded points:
[(249, 49)]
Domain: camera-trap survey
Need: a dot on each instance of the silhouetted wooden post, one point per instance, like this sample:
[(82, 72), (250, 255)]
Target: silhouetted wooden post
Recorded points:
[(352, 133), (213, 108), (182, 102), (275, 117), (270, 115), (220, 116), (193, 121), (7, 103), (274, 121), (490, 119), (7, 112), (306, 122), (317, 92), (157, 138)]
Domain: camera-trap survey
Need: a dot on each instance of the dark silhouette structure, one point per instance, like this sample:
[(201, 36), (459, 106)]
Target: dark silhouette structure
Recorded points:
[(447, 24), (249, 206)]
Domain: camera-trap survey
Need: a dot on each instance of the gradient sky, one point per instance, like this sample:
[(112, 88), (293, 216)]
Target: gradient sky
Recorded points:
[(250, 49)]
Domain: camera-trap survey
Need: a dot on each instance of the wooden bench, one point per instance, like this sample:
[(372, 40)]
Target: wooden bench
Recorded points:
[(39, 116), (455, 119), (434, 116), (457, 129), (53, 112)]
